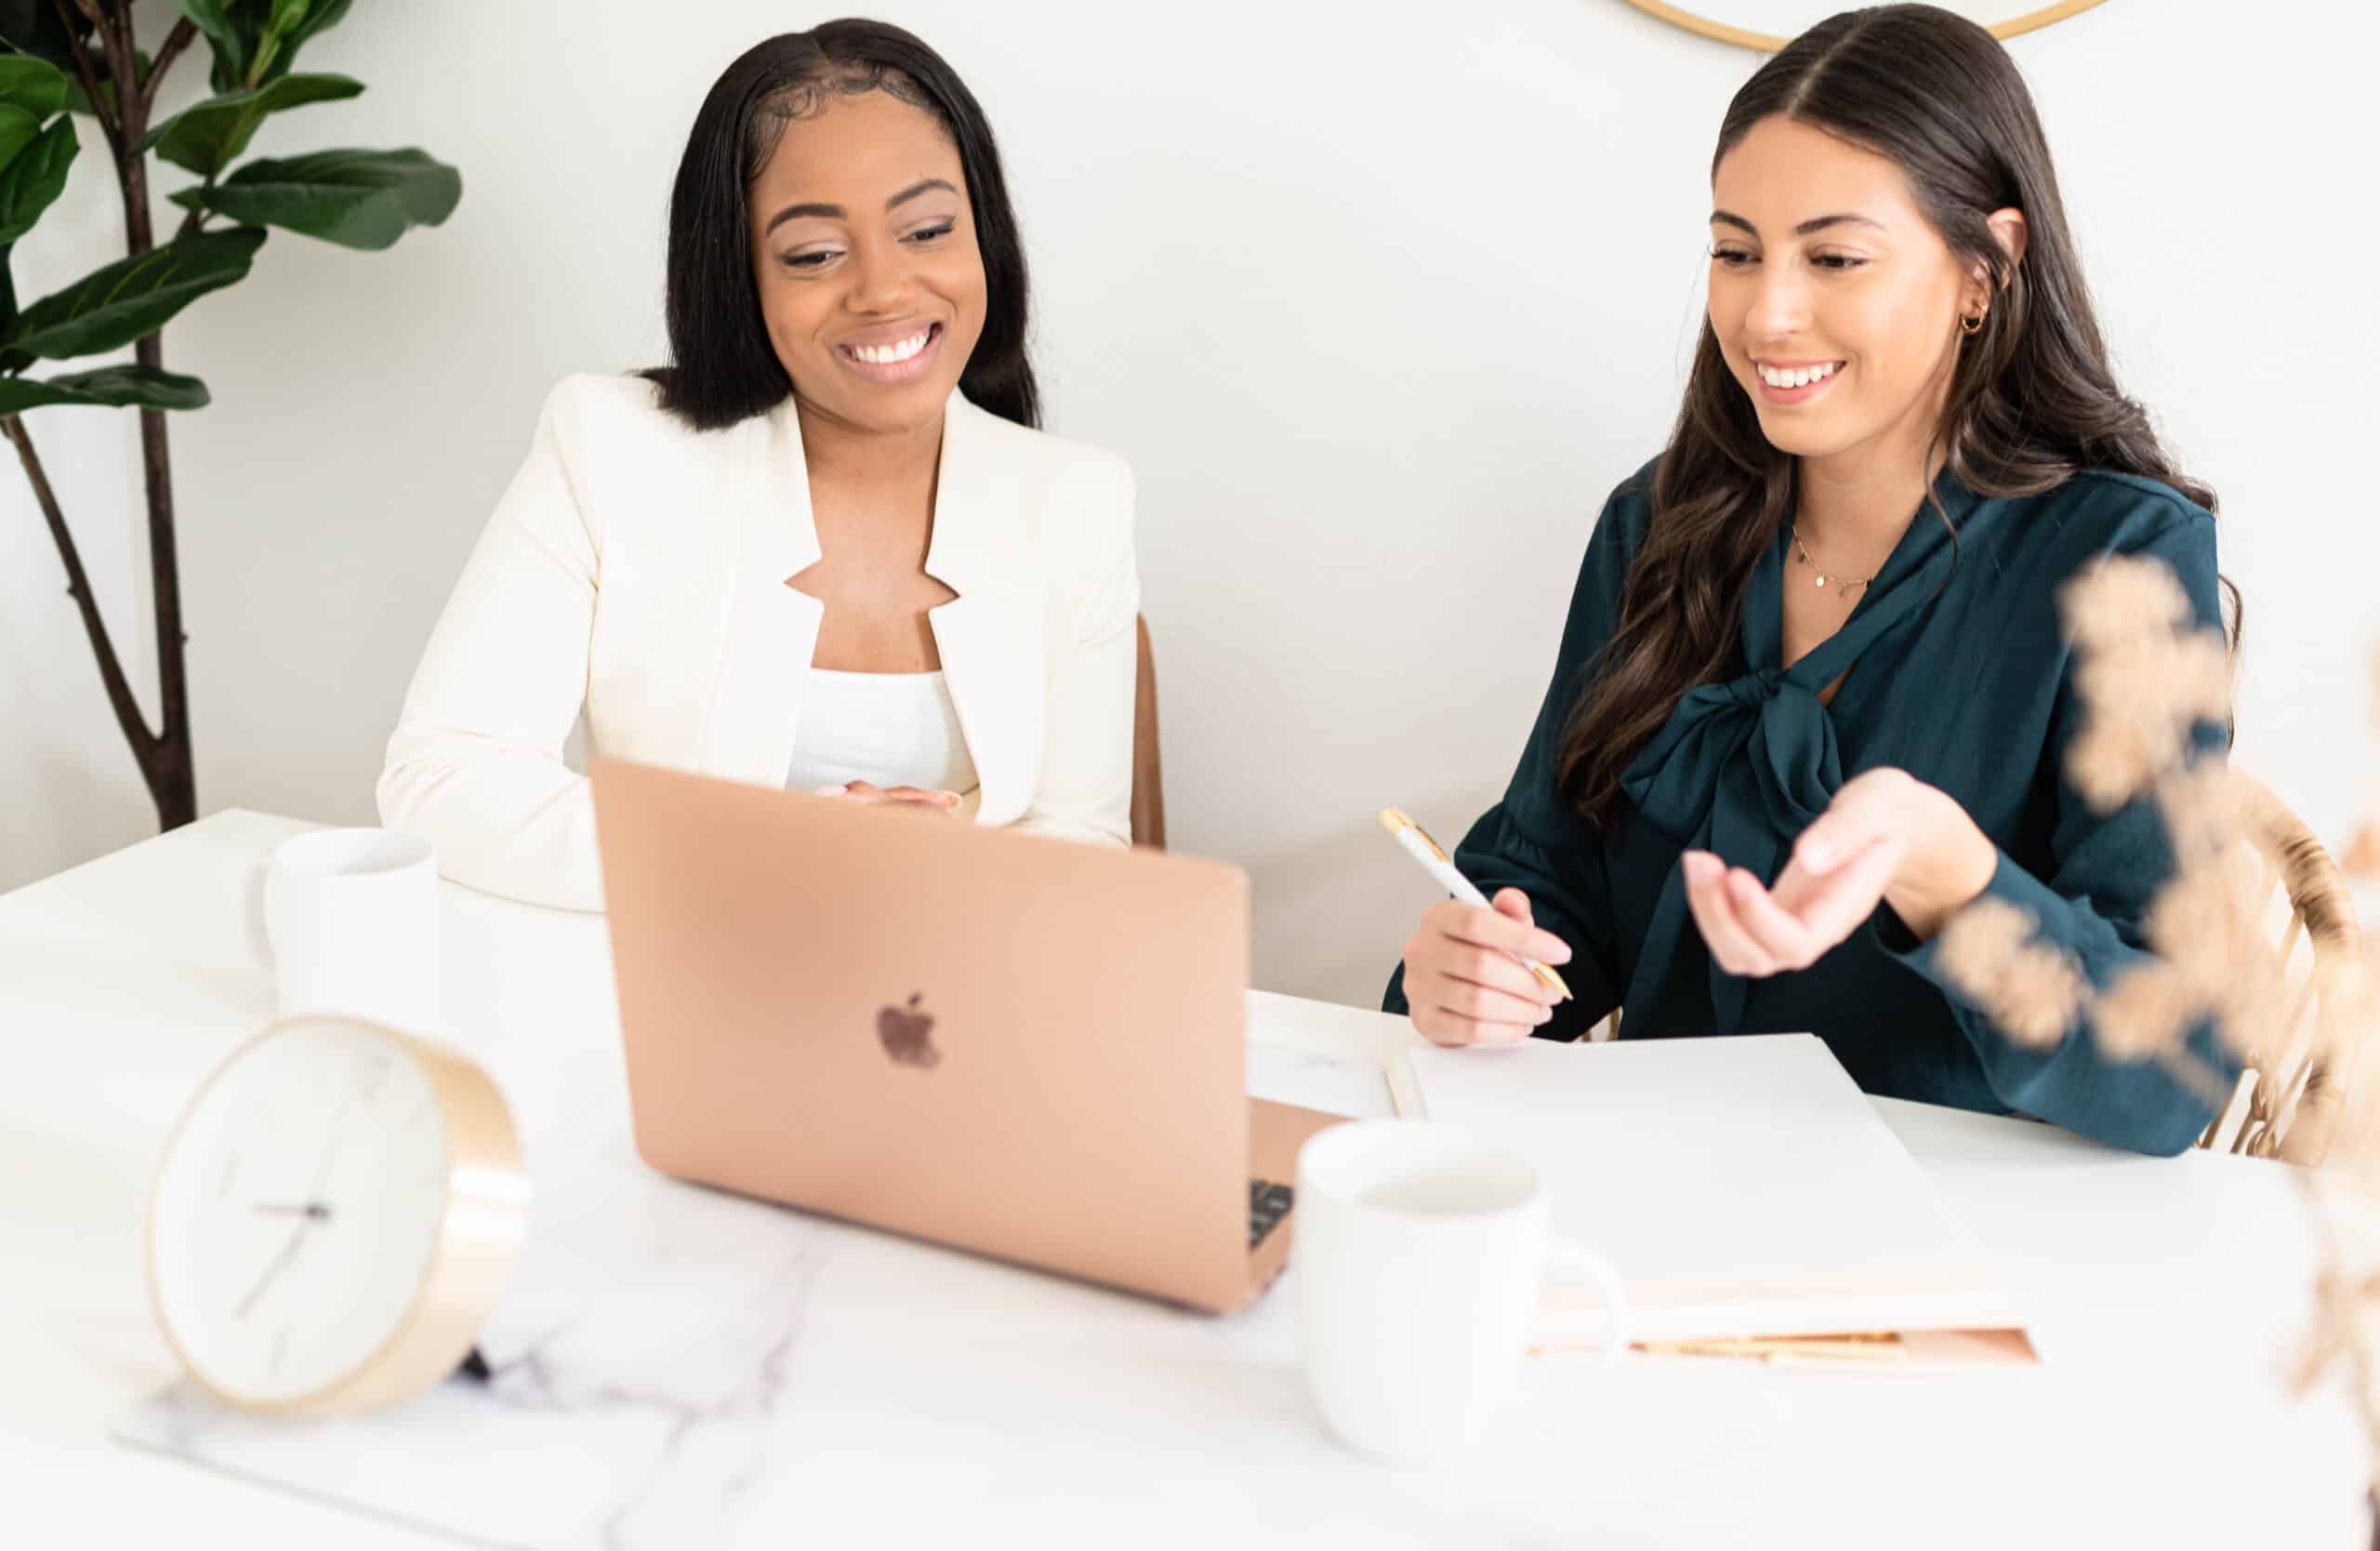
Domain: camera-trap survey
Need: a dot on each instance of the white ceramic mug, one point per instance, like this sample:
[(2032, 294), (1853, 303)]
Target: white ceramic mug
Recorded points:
[(1420, 1260), (346, 920)]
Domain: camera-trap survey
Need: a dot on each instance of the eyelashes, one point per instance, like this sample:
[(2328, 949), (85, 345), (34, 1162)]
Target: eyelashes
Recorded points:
[(1737, 258), (817, 260)]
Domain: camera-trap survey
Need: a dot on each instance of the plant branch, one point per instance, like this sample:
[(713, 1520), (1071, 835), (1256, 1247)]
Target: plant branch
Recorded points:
[(116, 139), (168, 768), (78, 587), (124, 71), (168, 52)]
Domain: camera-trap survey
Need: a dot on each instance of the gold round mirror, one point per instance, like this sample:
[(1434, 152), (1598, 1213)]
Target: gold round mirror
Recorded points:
[(1767, 25)]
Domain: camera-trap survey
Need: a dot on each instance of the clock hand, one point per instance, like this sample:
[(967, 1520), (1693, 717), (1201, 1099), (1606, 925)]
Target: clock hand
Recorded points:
[(279, 1264), (311, 1213), (315, 1212), (330, 1146)]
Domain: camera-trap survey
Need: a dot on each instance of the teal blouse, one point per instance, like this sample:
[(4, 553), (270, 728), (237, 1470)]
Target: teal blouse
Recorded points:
[(1958, 674)]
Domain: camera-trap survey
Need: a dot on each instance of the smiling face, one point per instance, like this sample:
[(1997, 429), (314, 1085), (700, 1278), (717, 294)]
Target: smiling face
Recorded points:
[(863, 255), (1835, 303)]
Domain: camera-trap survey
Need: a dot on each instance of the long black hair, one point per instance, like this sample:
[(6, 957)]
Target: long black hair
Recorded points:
[(2032, 398), (722, 368)]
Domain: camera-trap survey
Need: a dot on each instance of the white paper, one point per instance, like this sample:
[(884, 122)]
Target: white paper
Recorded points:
[(1740, 1186), (1312, 1081)]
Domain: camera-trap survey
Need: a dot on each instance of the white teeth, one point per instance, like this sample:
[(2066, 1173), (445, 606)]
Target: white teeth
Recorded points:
[(886, 355), (1800, 378)]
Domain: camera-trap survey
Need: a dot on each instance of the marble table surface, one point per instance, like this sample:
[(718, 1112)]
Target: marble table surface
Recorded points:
[(680, 1368)]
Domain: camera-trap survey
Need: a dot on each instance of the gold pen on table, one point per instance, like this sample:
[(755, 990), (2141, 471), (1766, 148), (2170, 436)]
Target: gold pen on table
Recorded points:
[(1417, 841), (1866, 1346), (1783, 1351)]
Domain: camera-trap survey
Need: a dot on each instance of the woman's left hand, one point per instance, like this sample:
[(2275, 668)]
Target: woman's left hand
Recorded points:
[(1886, 837)]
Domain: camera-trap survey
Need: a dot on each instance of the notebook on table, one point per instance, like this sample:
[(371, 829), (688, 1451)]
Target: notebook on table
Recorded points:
[(1752, 1199)]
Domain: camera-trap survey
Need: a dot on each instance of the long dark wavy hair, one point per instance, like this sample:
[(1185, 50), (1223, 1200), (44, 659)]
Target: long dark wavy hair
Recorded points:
[(2032, 399), (722, 368)]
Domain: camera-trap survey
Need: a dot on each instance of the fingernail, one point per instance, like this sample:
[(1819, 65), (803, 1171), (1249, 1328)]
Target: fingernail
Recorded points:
[(1557, 953), (1701, 865), (832, 791), (949, 799)]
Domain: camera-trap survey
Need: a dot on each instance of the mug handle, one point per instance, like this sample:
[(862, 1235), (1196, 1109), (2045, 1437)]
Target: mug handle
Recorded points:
[(1576, 1263), (253, 914)]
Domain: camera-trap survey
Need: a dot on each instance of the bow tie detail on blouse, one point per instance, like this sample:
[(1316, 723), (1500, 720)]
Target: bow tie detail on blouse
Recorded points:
[(1741, 768)]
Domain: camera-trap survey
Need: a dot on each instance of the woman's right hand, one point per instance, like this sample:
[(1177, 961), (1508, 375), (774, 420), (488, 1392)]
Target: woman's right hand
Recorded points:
[(868, 796), (1461, 982)]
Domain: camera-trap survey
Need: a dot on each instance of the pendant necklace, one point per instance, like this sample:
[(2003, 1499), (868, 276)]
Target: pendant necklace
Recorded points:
[(1847, 586)]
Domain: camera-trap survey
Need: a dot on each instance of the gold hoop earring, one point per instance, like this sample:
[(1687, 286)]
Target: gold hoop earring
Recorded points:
[(1971, 326)]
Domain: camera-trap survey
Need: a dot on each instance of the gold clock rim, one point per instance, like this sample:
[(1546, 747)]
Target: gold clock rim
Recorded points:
[(478, 1236), (1769, 43)]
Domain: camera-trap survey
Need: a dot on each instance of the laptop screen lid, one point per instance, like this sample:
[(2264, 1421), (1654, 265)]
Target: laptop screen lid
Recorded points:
[(1022, 1046)]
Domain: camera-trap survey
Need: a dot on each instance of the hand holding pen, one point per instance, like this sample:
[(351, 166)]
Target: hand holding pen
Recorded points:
[(1476, 972)]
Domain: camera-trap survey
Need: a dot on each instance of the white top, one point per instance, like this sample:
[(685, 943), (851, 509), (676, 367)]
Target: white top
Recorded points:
[(886, 729), (634, 574)]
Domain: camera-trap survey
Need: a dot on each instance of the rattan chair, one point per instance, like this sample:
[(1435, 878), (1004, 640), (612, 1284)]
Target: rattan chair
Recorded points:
[(2291, 1097)]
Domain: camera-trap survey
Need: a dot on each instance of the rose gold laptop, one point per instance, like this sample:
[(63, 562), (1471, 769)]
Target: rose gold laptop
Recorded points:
[(1020, 1046)]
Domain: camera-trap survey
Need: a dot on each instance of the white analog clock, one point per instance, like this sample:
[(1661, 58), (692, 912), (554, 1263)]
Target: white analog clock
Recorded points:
[(335, 1215)]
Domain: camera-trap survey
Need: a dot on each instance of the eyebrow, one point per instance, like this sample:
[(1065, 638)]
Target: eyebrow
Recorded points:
[(1816, 223), (836, 212)]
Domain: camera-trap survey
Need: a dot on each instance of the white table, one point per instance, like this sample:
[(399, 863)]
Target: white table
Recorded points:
[(932, 1399)]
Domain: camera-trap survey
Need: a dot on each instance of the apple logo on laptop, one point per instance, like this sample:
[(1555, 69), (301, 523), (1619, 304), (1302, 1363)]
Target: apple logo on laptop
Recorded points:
[(905, 1034)]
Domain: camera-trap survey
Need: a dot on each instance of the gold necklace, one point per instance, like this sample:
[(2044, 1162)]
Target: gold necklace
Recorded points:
[(1846, 587)]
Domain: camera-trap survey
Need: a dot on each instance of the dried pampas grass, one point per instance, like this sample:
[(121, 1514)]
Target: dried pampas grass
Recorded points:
[(2146, 677), (2032, 991)]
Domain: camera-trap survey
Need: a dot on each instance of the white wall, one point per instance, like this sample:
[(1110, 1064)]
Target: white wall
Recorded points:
[(1380, 308)]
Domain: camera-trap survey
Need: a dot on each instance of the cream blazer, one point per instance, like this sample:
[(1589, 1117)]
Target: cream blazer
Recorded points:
[(637, 570)]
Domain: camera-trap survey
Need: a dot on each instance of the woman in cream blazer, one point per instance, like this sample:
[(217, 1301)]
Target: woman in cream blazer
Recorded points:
[(640, 567)]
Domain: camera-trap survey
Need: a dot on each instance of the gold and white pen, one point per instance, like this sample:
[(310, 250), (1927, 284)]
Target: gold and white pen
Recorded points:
[(1441, 867)]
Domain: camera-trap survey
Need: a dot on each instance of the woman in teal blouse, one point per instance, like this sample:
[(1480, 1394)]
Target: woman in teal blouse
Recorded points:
[(1812, 696)]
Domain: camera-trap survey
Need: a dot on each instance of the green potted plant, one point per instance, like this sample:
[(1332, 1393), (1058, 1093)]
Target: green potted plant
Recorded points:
[(68, 63)]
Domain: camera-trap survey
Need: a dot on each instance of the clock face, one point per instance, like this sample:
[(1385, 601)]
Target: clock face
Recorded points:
[(299, 1209)]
